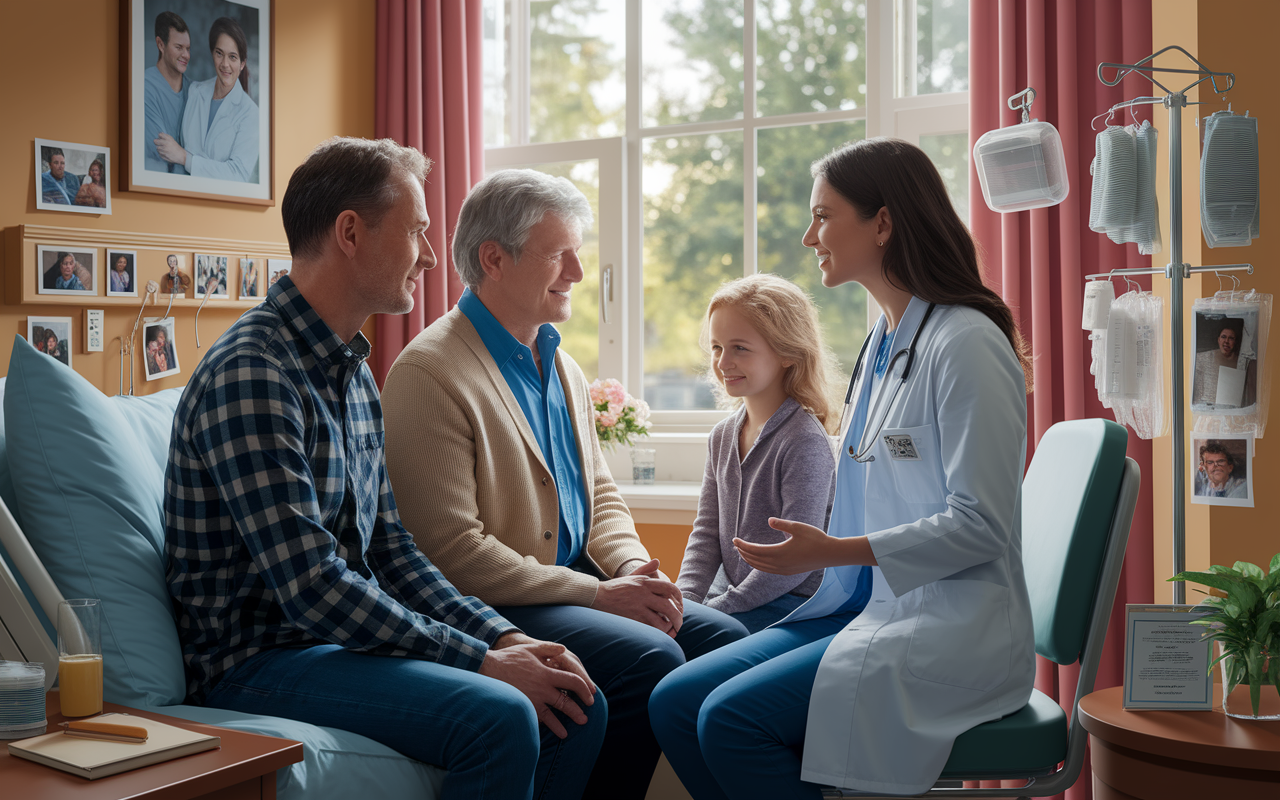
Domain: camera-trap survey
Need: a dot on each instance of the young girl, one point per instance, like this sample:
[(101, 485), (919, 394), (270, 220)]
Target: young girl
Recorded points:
[(770, 459)]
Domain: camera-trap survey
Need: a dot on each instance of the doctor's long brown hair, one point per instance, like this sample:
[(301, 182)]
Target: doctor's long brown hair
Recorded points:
[(930, 252)]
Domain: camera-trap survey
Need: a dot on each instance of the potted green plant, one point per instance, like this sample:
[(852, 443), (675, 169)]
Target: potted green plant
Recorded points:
[(1245, 623)]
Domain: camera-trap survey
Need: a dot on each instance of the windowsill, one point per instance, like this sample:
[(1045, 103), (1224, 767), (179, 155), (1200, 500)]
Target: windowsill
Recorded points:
[(662, 503)]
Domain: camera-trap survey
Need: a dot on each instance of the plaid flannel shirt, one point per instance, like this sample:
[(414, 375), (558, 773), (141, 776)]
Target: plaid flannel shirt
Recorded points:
[(281, 529)]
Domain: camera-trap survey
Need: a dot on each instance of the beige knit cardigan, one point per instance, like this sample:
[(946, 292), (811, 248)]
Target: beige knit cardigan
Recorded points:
[(472, 485)]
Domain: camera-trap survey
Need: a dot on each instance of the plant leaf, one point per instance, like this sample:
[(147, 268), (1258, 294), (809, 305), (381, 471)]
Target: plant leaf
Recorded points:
[(1250, 570), (1275, 564)]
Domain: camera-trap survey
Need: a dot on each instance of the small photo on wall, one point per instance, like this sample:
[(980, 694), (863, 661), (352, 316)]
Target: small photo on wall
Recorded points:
[(1223, 464), (176, 280), (211, 276), (251, 279), (73, 177), (51, 336), (122, 273), (277, 268), (67, 270), (161, 355)]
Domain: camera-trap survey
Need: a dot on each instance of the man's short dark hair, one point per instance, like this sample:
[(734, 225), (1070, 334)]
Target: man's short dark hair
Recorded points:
[(50, 152), (167, 21), (1216, 447), (344, 174)]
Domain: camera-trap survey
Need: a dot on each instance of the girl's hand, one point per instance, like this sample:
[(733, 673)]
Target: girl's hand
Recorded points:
[(806, 548)]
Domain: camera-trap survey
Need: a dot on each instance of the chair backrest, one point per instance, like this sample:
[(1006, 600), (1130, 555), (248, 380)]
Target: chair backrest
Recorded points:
[(1069, 500)]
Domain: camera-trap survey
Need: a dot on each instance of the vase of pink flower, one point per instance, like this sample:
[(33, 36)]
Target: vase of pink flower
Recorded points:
[(620, 418)]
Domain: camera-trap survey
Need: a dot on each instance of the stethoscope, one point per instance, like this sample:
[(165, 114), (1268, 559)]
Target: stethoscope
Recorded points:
[(861, 454)]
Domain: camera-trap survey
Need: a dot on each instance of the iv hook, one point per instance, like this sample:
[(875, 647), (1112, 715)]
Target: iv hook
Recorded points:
[(1028, 96)]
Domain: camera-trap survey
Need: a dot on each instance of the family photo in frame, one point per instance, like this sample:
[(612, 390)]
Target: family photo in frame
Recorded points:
[(67, 270), (122, 273), (51, 336), (211, 276), (72, 177), (159, 353), (198, 86)]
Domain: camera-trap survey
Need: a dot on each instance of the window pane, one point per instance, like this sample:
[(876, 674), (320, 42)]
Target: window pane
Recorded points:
[(934, 49), (495, 58), (692, 243), (692, 60), (783, 189), (580, 336), (949, 152), (811, 56), (577, 63)]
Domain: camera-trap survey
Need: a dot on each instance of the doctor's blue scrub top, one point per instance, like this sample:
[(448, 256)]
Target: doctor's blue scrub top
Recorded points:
[(541, 397)]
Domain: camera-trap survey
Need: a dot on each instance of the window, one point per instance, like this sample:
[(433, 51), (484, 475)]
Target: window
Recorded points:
[(691, 125)]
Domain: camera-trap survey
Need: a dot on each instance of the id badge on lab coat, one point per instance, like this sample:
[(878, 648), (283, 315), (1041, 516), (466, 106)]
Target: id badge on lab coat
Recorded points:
[(906, 466)]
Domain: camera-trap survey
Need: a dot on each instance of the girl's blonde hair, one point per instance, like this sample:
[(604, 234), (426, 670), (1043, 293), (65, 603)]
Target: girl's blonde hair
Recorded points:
[(786, 317)]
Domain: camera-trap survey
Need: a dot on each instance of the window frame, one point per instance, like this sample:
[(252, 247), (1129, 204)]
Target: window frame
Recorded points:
[(885, 114)]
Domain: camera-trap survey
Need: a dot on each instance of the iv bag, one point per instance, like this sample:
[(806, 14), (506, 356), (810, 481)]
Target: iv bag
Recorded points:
[(1132, 383)]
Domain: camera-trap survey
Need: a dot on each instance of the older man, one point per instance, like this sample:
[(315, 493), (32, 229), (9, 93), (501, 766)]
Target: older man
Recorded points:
[(299, 592), (1214, 478), (492, 451)]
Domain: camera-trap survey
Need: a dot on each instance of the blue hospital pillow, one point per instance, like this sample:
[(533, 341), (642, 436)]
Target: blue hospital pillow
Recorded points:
[(88, 471)]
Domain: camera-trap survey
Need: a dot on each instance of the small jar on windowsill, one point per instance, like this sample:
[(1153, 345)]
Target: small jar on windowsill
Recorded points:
[(643, 465)]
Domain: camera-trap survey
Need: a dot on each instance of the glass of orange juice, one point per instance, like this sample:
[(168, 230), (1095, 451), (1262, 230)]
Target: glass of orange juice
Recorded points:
[(80, 657)]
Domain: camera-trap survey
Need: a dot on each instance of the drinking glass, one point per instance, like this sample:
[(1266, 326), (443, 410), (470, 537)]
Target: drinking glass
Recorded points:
[(80, 657), (643, 465)]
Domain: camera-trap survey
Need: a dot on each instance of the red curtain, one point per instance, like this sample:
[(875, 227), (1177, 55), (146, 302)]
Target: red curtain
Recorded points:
[(1038, 259), (429, 96)]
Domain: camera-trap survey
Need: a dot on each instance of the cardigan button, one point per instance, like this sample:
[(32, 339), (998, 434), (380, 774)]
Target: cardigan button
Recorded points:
[(546, 534), (544, 481)]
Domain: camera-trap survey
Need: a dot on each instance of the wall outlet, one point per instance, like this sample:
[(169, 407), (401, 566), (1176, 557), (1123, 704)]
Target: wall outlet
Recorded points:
[(94, 322)]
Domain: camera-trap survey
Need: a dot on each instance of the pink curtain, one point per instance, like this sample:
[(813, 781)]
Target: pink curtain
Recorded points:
[(429, 97), (1038, 259)]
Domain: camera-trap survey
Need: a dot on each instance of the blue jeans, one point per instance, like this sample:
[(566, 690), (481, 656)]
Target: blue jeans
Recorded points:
[(626, 659), (483, 731), (732, 723), (757, 619)]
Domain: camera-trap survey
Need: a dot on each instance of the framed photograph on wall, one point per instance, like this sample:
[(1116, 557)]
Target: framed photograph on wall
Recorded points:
[(73, 177), (67, 270), (51, 336), (122, 273), (175, 280), (277, 268), (211, 276), (251, 278), (197, 99), (160, 355)]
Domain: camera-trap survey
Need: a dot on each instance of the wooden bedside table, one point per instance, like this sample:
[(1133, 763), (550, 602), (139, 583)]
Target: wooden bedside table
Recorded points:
[(243, 768)]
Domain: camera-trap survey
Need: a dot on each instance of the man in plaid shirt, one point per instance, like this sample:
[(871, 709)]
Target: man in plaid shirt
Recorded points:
[(300, 594)]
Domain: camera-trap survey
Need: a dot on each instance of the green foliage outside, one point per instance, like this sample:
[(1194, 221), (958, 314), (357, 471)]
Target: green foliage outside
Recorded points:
[(811, 58)]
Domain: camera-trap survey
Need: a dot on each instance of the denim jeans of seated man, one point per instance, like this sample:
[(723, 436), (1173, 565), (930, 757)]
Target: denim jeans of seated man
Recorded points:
[(626, 659), (483, 731)]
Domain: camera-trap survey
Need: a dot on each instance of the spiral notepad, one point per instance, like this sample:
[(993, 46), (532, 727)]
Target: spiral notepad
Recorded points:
[(21, 700)]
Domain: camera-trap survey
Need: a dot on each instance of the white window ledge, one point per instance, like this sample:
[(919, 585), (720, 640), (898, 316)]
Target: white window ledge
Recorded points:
[(662, 503)]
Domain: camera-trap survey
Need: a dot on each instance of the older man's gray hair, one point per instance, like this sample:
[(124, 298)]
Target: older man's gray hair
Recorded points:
[(503, 208)]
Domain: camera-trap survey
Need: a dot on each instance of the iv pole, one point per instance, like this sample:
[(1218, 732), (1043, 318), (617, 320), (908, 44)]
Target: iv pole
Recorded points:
[(1176, 271)]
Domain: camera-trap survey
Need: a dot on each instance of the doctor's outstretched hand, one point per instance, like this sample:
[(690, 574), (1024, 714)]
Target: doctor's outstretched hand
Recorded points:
[(805, 549)]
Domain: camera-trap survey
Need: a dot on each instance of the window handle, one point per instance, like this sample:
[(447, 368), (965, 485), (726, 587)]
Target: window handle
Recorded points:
[(606, 291)]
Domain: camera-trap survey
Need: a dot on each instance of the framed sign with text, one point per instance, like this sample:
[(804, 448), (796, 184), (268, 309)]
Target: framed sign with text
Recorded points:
[(1166, 659)]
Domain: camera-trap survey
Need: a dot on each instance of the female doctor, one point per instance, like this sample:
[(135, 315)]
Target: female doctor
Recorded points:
[(921, 628), (220, 122)]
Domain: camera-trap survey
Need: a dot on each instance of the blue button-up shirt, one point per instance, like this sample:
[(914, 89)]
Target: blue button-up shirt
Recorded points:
[(281, 529), (541, 397)]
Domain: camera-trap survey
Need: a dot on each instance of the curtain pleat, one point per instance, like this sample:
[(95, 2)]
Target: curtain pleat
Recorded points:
[(429, 85), (1037, 259)]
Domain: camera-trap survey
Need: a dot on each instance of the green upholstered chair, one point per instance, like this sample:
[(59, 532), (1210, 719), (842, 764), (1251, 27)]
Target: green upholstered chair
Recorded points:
[(1078, 499)]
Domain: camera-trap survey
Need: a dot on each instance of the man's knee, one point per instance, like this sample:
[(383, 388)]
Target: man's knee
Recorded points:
[(507, 728)]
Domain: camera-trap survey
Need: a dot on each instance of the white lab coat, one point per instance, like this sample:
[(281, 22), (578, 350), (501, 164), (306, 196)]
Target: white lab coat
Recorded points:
[(229, 148), (946, 641)]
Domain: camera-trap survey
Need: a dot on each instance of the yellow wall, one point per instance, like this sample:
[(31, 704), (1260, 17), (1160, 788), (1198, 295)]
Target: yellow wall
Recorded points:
[(1240, 38), (1218, 535), (324, 86)]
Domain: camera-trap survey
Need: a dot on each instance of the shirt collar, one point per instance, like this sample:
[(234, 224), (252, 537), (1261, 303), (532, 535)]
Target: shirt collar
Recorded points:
[(497, 339), (298, 314)]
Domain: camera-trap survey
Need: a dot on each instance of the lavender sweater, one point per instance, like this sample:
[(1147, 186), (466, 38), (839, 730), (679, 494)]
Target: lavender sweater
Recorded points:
[(788, 473)]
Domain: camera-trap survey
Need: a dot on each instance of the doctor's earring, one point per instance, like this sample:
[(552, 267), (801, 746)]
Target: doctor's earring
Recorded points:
[(880, 244)]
